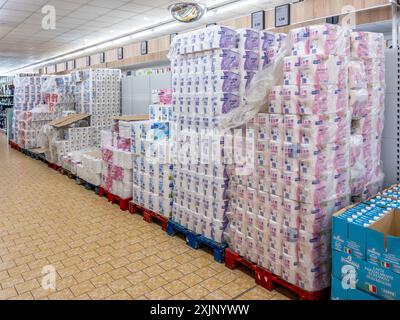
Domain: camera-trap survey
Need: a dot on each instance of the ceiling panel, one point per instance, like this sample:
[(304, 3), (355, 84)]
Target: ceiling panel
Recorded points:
[(78, 23)]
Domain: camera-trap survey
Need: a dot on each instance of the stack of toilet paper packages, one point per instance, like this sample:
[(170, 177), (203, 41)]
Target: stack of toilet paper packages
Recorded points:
[(98, 92), (161, 96), (270, 45), (89, 168), (152, 168), (367, 102), (27, 94), (117, 165), (280, 214), (72, 161), (207, 73), (57, 98)]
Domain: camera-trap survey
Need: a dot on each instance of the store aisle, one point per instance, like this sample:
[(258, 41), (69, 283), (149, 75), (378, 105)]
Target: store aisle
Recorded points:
[(98, 251)]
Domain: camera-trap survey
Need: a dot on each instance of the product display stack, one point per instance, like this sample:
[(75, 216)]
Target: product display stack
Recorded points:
[(27, 95), (57, 101), (365, 249), (98, 93), (89, 168), (367, 104), (281, 212), (152, 168), (206, 84), (117, 165)]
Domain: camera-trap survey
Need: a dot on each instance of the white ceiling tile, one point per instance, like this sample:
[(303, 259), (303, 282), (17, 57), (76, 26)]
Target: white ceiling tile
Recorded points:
[(107, 4), (136, 8)]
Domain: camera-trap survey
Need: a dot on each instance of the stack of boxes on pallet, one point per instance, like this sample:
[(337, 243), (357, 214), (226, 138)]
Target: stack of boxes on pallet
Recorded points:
[(89, 168), (281, 213), (27, 95), (206, 83), (152, 168), (57, 101), (98, 93), (117, 165), (365, 249)]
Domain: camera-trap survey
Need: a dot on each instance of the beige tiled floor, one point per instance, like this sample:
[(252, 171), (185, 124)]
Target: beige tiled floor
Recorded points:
[(99, 252)]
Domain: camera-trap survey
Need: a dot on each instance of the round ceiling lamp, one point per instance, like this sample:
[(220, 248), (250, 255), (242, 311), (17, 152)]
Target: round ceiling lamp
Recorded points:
[(187, 11)]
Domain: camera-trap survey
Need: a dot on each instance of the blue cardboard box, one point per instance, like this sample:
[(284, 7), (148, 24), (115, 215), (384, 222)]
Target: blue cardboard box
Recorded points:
[(364, 276), (348, 237), (338, 292), (383, 242)]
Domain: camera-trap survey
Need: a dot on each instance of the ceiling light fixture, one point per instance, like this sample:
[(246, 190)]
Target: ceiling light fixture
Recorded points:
[(187, 12)]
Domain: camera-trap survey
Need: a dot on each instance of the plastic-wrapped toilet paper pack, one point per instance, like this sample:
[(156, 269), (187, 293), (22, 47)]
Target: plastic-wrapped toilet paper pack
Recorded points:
[(249, 40), (367, 45), (275, 100), (328, 39), (323, 70), (299, 40), (290, 99), (322, 99), (225, 59)]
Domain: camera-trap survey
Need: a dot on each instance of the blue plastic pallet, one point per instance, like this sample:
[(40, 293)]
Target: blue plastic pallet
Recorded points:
[(195, 240), (87, 185)]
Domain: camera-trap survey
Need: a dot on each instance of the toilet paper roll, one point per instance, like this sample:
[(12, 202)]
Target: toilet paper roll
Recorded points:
[(291, 63)]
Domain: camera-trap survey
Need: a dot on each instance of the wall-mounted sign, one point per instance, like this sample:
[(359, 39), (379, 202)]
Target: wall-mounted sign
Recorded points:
[(102, 57), (45, 70), (87, 61), (73, 64), (143, 48), (55, 68), (187, 11), (258, 20), (282, 15), (333, 20), (66, 65), (120, 53)]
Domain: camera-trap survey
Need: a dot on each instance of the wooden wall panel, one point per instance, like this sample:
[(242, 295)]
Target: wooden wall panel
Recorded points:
[(310, 11)]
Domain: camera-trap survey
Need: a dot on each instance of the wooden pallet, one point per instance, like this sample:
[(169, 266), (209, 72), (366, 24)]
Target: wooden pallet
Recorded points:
[(148, 215), (123, 203), (270, 281), (87, 185), (195, 240)]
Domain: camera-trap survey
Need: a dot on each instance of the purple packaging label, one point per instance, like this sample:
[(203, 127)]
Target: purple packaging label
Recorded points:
[(231, 82), (230, 60), (268, 40), (227, 38), (251, 60), (251, 40)]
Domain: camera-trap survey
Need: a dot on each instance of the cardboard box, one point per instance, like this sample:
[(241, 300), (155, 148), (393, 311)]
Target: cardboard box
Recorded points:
[(338, 292), (383, 241), (369, 278)]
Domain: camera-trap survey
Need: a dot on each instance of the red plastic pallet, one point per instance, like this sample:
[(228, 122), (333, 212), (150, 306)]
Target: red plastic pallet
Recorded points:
[(54, 166), (148, 215), (14, 146), (270, 281), (123, 203)]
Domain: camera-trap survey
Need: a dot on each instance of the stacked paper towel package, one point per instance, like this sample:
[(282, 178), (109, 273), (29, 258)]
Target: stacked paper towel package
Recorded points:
[(98, 92), (280, 216), (27, 95), (367, 101), (117, 160), (152, 170)]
